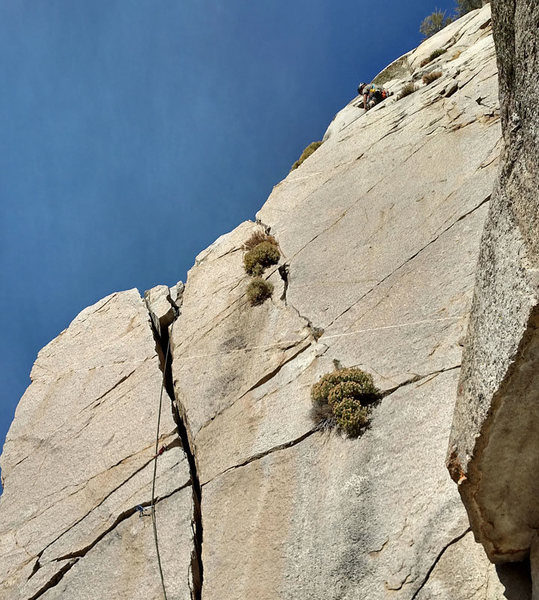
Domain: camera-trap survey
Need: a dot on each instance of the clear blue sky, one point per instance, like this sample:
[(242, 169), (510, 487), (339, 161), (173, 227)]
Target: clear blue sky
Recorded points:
[(135, 132)]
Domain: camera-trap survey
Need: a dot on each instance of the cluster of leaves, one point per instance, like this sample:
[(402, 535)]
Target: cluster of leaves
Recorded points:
[(340, 399), (305, 154), (262, 251), (433, 56), (258, 291), (258, 237), (439, 18), (408, 89), (262, 256), (430, 77), (434, 23)]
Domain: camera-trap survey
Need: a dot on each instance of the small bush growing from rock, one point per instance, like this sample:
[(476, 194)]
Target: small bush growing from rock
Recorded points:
[(434, 22), (263, 255), (436, 54), (306, 153), (430, 77), (258, 291), (257, 238), (350, 416), (433, 56), (408, 89), (339, 399)]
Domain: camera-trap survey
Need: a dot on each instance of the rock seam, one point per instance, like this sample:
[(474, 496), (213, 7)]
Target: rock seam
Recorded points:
[(162, 341)]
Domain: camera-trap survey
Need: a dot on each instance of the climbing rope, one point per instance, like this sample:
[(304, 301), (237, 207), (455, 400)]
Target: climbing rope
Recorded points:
[(285, 344), (156, 456)]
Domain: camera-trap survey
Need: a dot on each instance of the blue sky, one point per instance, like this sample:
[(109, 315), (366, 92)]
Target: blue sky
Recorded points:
[(135, 132)]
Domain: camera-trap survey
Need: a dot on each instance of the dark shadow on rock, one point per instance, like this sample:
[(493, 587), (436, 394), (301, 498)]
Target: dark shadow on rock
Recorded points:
[(516, 577)]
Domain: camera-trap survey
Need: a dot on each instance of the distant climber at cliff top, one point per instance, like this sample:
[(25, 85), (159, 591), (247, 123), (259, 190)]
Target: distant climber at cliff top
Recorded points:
[(372, 94)]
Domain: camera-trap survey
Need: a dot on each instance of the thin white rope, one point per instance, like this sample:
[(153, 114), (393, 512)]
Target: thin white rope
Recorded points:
[(288, 343), (285, 343)]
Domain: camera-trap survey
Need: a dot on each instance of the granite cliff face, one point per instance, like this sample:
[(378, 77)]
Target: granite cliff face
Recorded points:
[(493, 454), (379, 232)]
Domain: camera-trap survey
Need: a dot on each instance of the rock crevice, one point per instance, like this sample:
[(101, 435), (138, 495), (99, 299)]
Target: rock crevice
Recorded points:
[(162, 338)]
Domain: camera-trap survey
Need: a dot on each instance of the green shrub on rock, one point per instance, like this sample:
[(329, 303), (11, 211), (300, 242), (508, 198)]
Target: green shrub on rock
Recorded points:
[(306, 153), (260, 257), (339, 399), (343, 390), (350, 416), (258, 291), (257, 238), (436, 54), (432, 56), (434, 22)]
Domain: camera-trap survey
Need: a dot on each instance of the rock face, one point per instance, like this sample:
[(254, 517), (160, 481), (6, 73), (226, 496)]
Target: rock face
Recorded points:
[(379, 235), (493, 452), (78, 460), (292, 512)]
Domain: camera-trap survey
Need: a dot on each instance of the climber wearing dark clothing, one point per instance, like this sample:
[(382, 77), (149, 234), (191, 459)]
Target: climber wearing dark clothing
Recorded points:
[(372, 94)]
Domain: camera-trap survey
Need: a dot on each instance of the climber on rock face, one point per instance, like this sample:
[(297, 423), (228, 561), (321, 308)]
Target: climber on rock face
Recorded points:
[(372, 94)]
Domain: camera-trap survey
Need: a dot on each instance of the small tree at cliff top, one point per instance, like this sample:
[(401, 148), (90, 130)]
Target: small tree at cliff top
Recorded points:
[(434, 23), (465, 6)]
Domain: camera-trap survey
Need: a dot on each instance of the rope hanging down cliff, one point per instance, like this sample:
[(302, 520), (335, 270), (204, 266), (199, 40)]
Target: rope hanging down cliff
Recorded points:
[(156, 456)]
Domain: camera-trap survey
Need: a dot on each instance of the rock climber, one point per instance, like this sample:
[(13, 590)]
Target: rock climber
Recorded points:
[(372, 94)]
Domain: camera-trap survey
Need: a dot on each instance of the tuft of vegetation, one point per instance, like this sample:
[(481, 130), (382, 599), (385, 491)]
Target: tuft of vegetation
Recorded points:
[(257, 238), (438, 19), (262, 256), (436, 53), (434, 23), (433, 56), (258, 291), (305, 154), (351, 417), (428, 78), (408, 89), (262, 251), (340, 399)]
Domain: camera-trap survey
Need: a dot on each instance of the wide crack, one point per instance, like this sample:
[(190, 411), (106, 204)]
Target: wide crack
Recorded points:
[(162, 340)]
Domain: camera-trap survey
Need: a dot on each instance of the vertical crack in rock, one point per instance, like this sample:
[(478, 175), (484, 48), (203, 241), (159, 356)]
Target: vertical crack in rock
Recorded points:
[(284, 272), (162, 340)]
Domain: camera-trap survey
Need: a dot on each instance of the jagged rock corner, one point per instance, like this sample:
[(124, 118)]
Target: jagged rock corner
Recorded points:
[(379, 232), (494, 451)]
